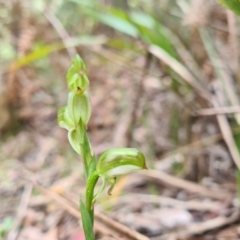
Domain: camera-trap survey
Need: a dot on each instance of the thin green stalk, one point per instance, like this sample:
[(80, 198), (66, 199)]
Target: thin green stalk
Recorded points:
[(91, 183)]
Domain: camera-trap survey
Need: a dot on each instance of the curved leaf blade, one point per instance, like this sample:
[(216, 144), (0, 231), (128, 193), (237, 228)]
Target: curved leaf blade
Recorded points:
[(86, 222)]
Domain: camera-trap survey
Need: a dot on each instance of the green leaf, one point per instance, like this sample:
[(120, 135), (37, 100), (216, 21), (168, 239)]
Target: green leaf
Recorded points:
[(5, 226), (48, 49), (86, 222), (115, 22), (233, 5), (143, 19), (152, 32)]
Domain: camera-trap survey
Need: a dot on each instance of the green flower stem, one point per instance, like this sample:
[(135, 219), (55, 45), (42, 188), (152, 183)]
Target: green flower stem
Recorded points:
[(84, 163), (86, 152), (91, 183)]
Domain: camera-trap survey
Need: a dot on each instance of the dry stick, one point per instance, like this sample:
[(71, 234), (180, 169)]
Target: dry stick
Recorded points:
[(227, 132), (68, 206), (200, 228), (223, 76), (181, 183), (129, 66), (119, 60), (120, 228), (180, 69), (100, 218), (218, 111), (233, 41), (167, 159), (228, 84), (228, 136), (114, 225), (187, 76), (61, 31), (136, 102), (188, 59), (21, 211), (164, 201)]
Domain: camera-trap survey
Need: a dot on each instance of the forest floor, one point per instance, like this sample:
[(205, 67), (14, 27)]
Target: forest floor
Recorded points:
[(190, 191)]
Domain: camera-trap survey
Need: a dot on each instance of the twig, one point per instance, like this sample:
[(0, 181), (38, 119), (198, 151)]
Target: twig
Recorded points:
[(133, 69), (165, 162), (218, 111), (112, 228), (61, 31), (21, 211), (226, 131), (233, 39), (222, 72), (119, 60), (164, 201), (179, 69), (136, 101), (129, 233), (228, 137), (181, 183), (200, 228)]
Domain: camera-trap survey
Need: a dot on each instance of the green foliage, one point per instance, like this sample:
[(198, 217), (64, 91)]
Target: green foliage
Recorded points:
[(86, 222), (233, 5), (74, 117), (117, 23), (133, 23), (45, 50), (5, 226)]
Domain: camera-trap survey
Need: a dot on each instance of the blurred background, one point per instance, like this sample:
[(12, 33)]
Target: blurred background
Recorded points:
[(164, 78)]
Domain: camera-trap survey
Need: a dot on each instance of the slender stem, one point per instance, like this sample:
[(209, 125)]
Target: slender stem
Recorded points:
[(85, 164), (88, 159), (91, 183)]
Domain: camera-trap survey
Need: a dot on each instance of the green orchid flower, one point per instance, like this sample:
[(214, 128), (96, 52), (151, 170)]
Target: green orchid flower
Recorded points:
[(79, 106), (119, 161), (114, 162), (77, 76)]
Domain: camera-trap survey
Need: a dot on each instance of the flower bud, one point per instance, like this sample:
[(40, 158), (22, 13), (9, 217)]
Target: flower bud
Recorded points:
[(118, 161), (77, 76), (64, 119), (74, 137), (77, 139), (79, 106)]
